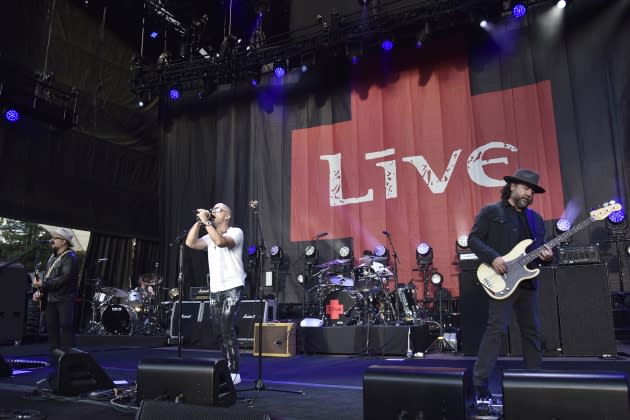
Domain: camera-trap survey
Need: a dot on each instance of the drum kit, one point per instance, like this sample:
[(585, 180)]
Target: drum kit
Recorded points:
[(346, 295), (118, 312)]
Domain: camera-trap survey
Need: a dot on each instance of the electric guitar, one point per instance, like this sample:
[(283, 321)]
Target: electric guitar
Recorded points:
[(501, 286), (42, 295)]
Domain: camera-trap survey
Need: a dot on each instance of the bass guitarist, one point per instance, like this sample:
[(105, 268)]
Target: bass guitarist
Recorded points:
[(498, 228), (59, 288)]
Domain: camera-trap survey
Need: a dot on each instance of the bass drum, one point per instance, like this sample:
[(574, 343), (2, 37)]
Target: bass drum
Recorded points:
[(119, 319), (343, 307)]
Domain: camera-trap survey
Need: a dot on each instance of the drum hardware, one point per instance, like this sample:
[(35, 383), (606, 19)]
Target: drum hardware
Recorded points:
[(151, 279)]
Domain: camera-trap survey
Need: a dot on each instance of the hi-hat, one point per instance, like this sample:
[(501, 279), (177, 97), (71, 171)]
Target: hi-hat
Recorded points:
[(151, 279), (332, 263), (112, 291)]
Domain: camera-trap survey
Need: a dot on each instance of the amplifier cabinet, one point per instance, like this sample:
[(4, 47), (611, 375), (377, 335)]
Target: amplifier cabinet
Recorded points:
[(192, 314), (248, 316), (278, 339)]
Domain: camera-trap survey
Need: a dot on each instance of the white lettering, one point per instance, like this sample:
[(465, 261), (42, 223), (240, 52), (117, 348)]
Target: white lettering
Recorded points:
[(389, 168), (435, 184), (335, 189), (476, 163)]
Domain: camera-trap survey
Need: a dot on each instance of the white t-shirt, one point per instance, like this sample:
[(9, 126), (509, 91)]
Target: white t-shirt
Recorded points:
[(226, 265)]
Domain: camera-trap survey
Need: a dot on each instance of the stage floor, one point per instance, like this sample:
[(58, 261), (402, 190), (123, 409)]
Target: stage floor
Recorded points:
[(332, 384)]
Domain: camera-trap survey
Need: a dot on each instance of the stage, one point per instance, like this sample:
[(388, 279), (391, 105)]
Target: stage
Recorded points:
[(332, 384)]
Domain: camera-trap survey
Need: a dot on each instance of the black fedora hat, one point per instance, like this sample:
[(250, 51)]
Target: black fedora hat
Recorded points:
[(527, 177)]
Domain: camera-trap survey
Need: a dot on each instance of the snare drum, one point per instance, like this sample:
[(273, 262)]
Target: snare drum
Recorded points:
[(136, 298), (119, 319)]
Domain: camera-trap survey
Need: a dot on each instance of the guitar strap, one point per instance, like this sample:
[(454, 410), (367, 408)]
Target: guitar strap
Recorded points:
[(54, 264)]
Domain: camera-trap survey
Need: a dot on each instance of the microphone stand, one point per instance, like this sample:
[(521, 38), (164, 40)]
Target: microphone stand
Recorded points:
[(180, 284), (396, 298), (261, 255)]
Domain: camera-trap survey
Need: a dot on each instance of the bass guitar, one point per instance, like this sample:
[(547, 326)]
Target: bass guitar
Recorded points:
[(501, 286)]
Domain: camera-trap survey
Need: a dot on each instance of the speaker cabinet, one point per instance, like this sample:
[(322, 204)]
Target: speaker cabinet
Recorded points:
[(198, 381), (14, 283), (5, 369), (414, 392), (191, 315), (575, 395), (166, 410), (249, 315), (473, 303), (586, 323), (78, 373), (549, 323), (278, 339)]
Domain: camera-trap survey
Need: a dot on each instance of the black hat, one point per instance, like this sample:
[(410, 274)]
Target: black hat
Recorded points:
[(527, 177)]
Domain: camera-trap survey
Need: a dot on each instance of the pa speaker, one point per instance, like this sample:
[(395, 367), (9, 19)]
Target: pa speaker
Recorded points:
[(166, 410), (77, 373), (575, 395), (5, 369), (414, 392), (13, 279), (195, 381), (586, 323)]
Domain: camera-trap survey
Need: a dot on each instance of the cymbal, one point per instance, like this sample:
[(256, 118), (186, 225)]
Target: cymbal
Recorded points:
[(372, 258), (112, 291), (332, 263), (151, 279), (340, 280)]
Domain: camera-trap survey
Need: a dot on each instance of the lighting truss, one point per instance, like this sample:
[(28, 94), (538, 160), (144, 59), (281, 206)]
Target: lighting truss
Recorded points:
[(190, 73)]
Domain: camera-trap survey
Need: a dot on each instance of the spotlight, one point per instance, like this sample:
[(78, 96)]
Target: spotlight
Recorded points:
[(12, 115), (153, 35), (617, 224), (466, 259), (345, 252), (387, 43), (276, 254), (518, 9), (422, 36), (280, 68), (436, 279), (306, 62), (561, 4), (300, 278), (562, 226), (173, 94), (424, 254), (380, 251), (628, 250), (354, 51), (484, 24), (310, 253), (251, 250)]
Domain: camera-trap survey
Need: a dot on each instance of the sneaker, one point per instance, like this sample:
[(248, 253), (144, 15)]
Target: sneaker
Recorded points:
[(236, 378)]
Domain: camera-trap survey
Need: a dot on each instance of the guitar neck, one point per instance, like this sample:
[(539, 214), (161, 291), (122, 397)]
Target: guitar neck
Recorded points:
[(531, 256)]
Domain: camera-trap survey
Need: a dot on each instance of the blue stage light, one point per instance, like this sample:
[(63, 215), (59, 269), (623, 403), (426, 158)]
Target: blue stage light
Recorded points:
[(387, 44), (519, 10), (251, 250), (173, 94), (616, 217), (153, 35), (423, 248), (12, 115), (279, 71), (563, 225), (380, 251)]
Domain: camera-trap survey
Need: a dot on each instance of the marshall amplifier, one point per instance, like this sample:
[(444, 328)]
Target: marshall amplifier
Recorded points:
[(578, 254), (199, 293), (248, 315), (192, 314)]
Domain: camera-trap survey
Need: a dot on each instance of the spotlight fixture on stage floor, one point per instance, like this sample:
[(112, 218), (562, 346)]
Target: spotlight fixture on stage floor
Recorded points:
[(280, 68), (436, 279), (311, 253), (424, 254), (617, 224), (381, 251), (276, 254), (387, 43), (519, 9), (561, 4), (466, 259), (345, 252), (12, 115)]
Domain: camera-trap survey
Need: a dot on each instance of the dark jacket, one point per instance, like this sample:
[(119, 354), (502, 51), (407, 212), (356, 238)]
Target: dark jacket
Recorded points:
[(62, 282), (494, 233)]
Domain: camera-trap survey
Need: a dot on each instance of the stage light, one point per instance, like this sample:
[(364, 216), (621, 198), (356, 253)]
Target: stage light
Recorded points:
[(280, 68), (276, 254), (561, 4), (462, 241), (354, 51), (484, 24), (380, 251), (562, 225), (300, 278), (173, 94), (423, 35), (140, 103), (617, 224), (251, 250), (307, 61), (153, 35), (387, 43), (12, 115), (436, 279), (424, 254), (628, 250), (345, 252), (310, 253), (518, 9)]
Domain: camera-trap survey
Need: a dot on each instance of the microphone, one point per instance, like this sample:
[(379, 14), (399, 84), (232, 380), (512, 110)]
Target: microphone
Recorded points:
[(104, 259), (319, 235), (386, 233)]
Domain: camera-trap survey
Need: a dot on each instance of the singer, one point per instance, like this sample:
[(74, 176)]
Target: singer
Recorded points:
[(227, 276), (59, 288)]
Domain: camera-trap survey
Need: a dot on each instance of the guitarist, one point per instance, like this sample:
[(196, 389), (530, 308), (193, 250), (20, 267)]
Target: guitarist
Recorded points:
[(498, 228), (59, 287)]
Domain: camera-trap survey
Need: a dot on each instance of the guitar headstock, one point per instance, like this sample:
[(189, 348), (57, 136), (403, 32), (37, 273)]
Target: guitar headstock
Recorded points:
[(604, 211)]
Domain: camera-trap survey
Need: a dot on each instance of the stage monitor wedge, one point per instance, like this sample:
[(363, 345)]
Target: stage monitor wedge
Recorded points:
[(78, 373)]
